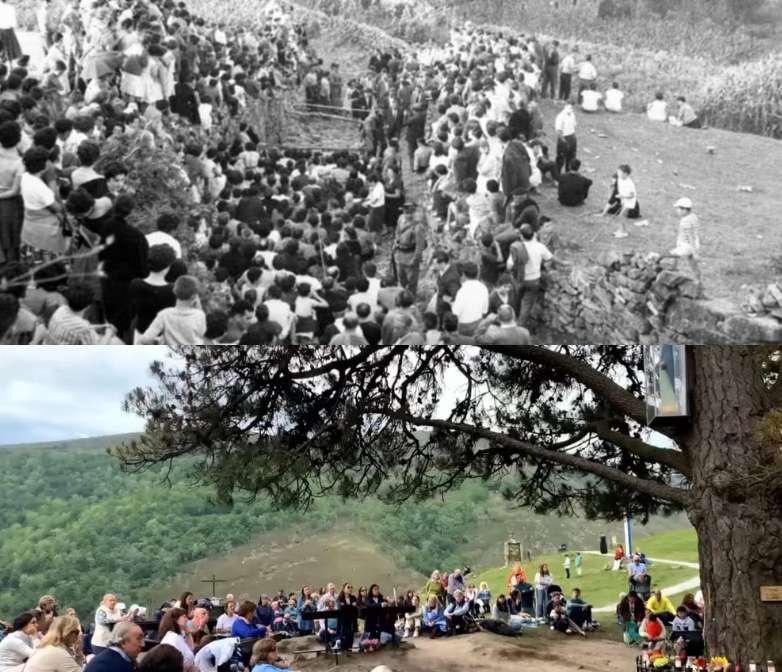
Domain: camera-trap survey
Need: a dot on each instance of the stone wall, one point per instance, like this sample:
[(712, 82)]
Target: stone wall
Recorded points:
[(632, 298)]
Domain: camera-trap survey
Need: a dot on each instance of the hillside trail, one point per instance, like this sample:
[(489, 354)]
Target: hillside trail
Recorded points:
[(481, 651), (690, 584)]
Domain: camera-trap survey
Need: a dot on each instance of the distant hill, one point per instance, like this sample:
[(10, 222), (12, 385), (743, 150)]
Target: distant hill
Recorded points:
[(100, 530), (90, 444)]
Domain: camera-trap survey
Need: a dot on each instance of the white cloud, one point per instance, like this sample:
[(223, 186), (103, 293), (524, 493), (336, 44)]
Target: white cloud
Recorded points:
[(64, 392)]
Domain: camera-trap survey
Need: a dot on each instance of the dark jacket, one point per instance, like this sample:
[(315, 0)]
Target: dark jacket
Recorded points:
[(447, 285), (573, 188), (416, 127), (518, 123), (465, 164), (126, 258), (183, 103), (265, 615), (250, 208), (109, 661), (515, 169)]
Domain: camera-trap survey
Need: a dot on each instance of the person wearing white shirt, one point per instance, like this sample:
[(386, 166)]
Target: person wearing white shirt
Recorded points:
[(567, 147), (587, 74), (529, 288), (376, 204), (472, 301), (590, 99), (226, 620), (567, 68), (8, 26), (629, 199), (173, 627), (657, 110), (613, 98), (19, 645)]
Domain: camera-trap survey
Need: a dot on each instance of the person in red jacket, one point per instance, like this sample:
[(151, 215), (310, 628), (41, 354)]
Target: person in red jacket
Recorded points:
[(518, 576)]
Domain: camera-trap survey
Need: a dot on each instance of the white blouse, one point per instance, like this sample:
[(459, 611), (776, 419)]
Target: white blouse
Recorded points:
[(179, 643)]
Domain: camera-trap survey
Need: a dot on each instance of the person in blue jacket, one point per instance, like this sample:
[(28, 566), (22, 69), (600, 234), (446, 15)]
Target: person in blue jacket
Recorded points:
[(434, 621), (243, 625), (305, 605), (456, 612)]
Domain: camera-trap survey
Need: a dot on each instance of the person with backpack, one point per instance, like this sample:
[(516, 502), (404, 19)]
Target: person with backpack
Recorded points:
[(524, 263), (550, 69)]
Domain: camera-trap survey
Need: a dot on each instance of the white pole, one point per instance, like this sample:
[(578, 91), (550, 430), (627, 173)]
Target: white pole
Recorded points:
[(628, 538)]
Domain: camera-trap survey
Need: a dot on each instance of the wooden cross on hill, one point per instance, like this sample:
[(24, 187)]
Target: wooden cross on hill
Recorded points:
[(214, 583)]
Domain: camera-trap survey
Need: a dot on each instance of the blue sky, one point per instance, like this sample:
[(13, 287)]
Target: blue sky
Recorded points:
[(67, 392)]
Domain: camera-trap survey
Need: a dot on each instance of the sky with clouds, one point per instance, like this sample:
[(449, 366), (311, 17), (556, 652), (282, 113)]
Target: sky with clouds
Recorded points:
[(66, 392)]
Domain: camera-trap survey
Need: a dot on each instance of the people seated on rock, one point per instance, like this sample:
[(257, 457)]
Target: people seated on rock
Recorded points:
[(590, 99), (471, 594), (455, 613), (435, 587), (502, 609), (573, 187), (613, 98), (226, 620), (413, 621), (662, 607), (19, 644), (682, 621), (433, 618), (636, 570), (329, 627), (173, 631), (61, 649), (579, 611), (125, 645), (686, 116), (243, 626), (265, 656), (652, 630), (657, 110)]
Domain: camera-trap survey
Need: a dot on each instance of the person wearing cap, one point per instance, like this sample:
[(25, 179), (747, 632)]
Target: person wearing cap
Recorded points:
[(185, 323), (688, 241)]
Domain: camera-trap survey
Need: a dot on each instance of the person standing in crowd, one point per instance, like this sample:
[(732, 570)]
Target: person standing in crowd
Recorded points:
[(567, 144), (567, 68), (107, 616), (543, 579)]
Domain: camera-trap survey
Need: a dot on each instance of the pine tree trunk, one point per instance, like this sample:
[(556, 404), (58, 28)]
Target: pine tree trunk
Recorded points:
[(737, 516)]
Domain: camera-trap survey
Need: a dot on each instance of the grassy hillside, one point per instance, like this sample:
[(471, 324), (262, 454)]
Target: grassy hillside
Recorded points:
[(101, 530), (599, 586), (94, 443)]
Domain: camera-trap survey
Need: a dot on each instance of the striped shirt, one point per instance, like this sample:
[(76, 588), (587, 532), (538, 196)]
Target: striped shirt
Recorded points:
[(69, 328), (688, 232)]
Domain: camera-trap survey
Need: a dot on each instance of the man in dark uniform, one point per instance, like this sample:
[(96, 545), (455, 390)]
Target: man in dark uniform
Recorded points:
[(409, 246)]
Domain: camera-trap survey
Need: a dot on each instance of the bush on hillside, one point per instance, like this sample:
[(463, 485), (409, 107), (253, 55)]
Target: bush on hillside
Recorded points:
[(746, 97)]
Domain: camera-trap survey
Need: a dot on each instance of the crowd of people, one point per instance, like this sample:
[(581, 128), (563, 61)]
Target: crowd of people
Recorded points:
[(282, 245)]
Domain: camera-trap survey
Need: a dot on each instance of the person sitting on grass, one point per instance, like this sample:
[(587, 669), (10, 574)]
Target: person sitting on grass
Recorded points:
[(662, 607), (686, 115), (555, 600), (434, 621), (573, 186), (652, 631), (682, 622), (483, 601), (456, 612), (657, 110), (636, 570), (501, 610), (579, 611), (590, 99), (559, 619), (613, 98)]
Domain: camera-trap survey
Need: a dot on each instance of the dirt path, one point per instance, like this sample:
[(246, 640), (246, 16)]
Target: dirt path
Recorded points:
[(690, 584), (546, 652)]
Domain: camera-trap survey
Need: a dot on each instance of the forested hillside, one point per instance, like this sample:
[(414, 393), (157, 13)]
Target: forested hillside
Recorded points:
[(72, 524)]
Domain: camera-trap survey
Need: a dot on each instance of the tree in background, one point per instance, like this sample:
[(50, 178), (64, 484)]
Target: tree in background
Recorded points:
[(297, 423)]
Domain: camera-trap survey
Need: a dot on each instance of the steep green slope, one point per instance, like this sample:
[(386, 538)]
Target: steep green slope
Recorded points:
[(72, 524)]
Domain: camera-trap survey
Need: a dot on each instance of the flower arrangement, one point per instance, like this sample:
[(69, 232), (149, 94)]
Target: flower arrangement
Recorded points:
[(718, 663)]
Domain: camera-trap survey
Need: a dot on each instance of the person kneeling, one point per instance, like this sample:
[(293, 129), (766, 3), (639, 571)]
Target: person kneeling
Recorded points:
[(456, 612)]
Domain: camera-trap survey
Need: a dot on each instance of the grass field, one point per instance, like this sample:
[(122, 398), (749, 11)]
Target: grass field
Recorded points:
[(600, 587)]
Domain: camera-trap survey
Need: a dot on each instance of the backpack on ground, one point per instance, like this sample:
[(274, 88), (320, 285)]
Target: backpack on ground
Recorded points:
[(498, 627)]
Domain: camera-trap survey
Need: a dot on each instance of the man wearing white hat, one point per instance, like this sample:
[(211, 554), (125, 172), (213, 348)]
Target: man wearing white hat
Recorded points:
[(688, 242)]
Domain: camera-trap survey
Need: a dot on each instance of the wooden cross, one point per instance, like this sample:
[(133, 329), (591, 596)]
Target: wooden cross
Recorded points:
[(214, 581)]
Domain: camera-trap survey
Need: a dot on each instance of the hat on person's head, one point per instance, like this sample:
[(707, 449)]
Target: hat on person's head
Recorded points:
[(685, 203)]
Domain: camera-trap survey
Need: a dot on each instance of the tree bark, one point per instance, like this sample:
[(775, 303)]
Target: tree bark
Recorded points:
[(737, 514)]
